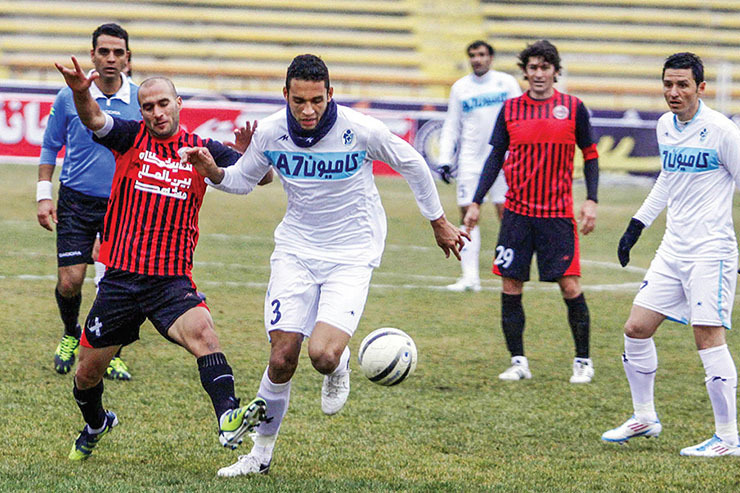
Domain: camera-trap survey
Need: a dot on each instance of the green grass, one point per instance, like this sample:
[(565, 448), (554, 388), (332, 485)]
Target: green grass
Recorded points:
[(452, 426)]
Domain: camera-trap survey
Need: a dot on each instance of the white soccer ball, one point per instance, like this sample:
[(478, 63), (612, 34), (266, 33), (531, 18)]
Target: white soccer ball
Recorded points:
[(387, 356)]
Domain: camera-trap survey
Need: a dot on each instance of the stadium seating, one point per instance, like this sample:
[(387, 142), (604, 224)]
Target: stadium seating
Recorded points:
[(612, 49)]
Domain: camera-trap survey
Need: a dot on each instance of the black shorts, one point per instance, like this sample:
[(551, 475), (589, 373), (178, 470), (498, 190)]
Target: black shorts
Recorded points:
[(553, 239), (80, 217), (126, 299)]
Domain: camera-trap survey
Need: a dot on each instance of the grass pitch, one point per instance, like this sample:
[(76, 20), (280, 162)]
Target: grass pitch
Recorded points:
[(452, 426)]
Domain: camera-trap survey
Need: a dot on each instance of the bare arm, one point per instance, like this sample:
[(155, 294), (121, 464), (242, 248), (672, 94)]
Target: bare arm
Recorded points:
[(88, 110), (46, 211)]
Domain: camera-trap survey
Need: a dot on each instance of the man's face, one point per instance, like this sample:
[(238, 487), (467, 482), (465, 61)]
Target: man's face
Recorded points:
[(307, 100), (160, 108), (109, 56), (480, 60), (681, 92), (541, 77)]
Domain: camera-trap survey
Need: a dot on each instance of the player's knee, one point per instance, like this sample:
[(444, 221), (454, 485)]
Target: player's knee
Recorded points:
[(283, 363), (325, 360), (68, 287), (88, 374), (634, 330)]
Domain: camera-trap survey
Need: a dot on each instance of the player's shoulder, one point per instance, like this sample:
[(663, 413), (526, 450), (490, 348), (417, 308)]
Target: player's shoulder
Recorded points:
[(357, 118), (272, 125), (713, 117)]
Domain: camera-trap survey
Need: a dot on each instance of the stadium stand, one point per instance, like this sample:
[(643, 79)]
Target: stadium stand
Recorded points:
[(612, 49)]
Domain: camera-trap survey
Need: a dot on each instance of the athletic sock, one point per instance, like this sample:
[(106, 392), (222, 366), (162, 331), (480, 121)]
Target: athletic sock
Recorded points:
[(469, 256), (263, 447), (99, 272), (69, 309), (512, 322), (218, 381), (580, 324), (277, 397), (343, 364), (721, 382), (640, 361), (90, 402)]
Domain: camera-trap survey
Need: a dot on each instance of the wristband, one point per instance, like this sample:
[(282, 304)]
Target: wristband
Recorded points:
[(43, 190)]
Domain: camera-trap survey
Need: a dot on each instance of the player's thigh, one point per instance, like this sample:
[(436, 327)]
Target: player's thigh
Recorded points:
[(115, 316), (165, 300), (711, 292), (291, 301), (79, 218), (556, 243), (71, 278), (662, 290), (515, 247), (343, 296), (194, 331)]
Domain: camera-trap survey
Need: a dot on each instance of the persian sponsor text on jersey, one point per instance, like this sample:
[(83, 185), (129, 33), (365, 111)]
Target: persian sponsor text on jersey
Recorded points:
[(688, 159), (316, 165), (483, 100)]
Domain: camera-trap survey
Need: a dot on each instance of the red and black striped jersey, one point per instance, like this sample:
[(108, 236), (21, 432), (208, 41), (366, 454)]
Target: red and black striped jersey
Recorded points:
[(541, 137), (151, 225)]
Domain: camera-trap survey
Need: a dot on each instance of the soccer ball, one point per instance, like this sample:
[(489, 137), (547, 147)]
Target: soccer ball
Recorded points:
[(387, 356)]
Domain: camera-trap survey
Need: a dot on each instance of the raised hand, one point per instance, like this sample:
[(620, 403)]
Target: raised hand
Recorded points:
[(243, 137), (76, 78)]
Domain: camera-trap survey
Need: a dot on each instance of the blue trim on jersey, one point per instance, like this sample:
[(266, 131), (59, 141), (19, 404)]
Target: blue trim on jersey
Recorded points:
[(675, 118), (719, 294), (88, 166), (484, 100), (316, 165), (688, 159), (683, 321)]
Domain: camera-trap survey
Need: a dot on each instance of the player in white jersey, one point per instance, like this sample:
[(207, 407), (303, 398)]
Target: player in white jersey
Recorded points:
[(475, 101), (693, 275), (331, 238)]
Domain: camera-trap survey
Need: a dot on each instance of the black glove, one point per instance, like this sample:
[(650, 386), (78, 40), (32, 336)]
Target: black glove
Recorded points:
[(445, 173), (628, 240)]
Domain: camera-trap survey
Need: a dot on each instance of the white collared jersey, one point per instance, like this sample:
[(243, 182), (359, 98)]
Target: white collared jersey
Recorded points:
[(471, 115), (700, 166), (334, 211)]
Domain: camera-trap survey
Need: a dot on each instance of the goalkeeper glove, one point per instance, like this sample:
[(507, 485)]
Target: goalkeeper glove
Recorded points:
[(628, 240), (445, 173)]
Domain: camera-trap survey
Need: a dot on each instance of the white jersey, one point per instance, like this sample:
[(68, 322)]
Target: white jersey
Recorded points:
[(334, 211), (471, 115), (700, 168)]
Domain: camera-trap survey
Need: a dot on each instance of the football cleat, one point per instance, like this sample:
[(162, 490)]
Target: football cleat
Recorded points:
[(463, 285), (117, 370), (519, 370), (714, 447), (234, 423), (334, 392), (86, 442), (247, 464), (64, 356), (583, 371), (632, 428)]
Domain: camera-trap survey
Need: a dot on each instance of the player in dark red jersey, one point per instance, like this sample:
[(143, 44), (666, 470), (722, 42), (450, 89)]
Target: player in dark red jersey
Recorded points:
[(150, 232), (540, 130)]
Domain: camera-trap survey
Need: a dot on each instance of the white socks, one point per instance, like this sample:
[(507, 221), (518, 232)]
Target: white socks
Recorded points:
[(99, 272), (469, 256), (640, 360), (277, 397), (343, 364), (721, 382)]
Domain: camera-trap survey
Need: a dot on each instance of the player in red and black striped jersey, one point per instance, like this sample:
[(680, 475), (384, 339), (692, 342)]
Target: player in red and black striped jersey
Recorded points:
[(534, 140), (150, 232)]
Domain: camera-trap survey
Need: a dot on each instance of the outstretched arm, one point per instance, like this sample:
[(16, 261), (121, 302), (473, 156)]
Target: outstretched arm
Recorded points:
[(88, 110)]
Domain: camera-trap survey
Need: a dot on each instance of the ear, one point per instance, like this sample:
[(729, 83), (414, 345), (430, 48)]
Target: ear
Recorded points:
[(331, 93), (285, 93), (179, 102), (700, 88)]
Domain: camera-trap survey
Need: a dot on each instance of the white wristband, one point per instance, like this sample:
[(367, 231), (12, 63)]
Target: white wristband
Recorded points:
[(43, 190)]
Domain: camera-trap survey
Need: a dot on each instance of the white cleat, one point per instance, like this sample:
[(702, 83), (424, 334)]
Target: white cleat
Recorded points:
[(583, 371), (714, 447), (519, 370), (463, 285), (247, 464), (334, 392), (632, 428)]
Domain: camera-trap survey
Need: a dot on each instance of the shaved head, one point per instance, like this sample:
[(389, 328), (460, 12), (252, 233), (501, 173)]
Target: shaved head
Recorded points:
[(154, 80)]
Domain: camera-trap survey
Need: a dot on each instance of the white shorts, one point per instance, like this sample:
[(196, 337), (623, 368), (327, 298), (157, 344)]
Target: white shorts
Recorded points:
[(302, 292), (699, 292), (467, 185)]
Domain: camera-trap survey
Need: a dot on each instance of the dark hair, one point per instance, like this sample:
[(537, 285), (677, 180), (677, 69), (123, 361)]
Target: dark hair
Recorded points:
[(111, 29), (686, 60), (477, 44), (307, 67), (542, 48)]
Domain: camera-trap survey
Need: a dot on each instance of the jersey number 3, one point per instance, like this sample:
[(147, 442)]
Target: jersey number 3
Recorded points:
[(276, 311)]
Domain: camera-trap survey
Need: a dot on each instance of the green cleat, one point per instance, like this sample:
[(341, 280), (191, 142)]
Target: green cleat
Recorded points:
[(235, 423), (64, 356), (86, 442), (117, 370)]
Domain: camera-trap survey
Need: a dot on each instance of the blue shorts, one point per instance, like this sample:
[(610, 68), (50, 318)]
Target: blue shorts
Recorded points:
[(553, 239), (80, 218), (125, 300)]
